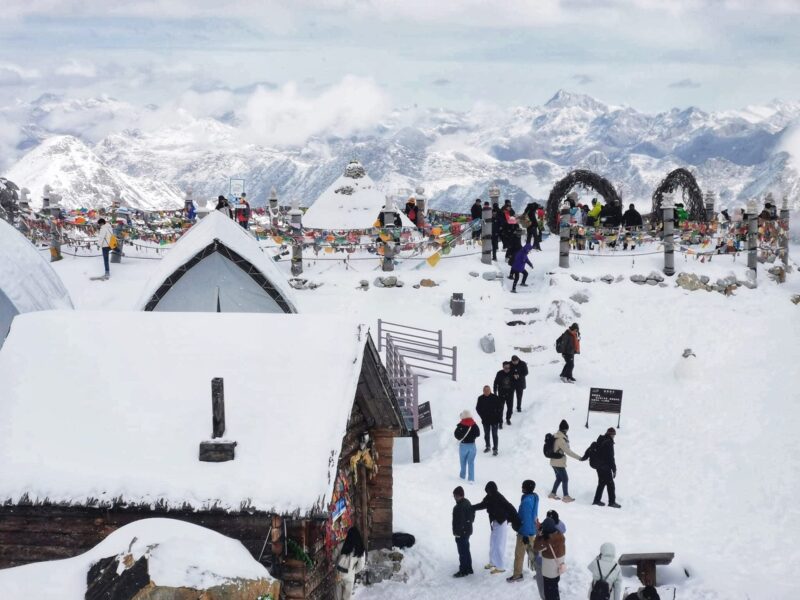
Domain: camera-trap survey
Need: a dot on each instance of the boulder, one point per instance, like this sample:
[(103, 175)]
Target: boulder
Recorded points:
[(575, 277), (491, 275), (427, 283), (640, 279), (585, 279), (562, 313), (704, 279), (378, 282), (581, 297), (607, 279), (795, 299), (473, 274), (487, 343), (524, 311), (656, 276), (390, 281), (363, 284)]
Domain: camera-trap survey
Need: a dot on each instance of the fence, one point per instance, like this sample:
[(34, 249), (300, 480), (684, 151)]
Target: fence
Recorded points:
[(422, 349)]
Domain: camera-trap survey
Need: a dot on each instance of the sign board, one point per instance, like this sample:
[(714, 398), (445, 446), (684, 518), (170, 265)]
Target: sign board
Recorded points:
[(237, 188), (605, 400), (425, 418)]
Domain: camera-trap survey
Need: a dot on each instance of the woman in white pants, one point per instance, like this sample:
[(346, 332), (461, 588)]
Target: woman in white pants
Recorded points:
[(501, 512), (351, 562)]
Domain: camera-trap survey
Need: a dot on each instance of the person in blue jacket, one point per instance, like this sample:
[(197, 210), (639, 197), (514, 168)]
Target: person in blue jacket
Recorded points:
[(518, 264), (529, 522)]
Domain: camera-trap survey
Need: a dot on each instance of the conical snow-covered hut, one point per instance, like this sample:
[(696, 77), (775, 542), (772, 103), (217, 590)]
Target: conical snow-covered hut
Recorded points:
[(353, 201), (217, 266), (27, 281)]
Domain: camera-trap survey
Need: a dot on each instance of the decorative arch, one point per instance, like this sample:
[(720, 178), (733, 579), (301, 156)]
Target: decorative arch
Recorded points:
[(680, 178), (584, 178)]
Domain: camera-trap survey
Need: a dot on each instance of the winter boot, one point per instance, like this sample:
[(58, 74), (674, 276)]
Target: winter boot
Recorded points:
[(598, 503), (495, 571), (488, 566), (613, 505), (553, 496), (568, 499), (494, 452), (486, 449)]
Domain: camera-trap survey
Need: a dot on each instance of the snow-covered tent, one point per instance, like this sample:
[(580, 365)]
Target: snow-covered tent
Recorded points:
[(27, 281), (217, 266), (353, 201)]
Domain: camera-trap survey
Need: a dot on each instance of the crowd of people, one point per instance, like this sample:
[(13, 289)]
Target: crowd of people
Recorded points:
[(239, 210)]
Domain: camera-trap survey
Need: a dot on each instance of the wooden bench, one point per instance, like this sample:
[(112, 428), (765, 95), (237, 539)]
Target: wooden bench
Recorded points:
[(646, 564)]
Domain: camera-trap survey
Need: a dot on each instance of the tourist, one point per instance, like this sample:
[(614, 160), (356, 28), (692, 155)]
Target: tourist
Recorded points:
[(594, 213), (411, 210), (476, 213), (501, 512), (602, 461), (606, 577), (104, 240), (528, 522), (504, 387), (568, 345), (243, 212), (632, 218), (560, 526), (463, 516), (532, 226), (467, 431), (559, 464), (490, 412), (648, 592), (518, 264), (519, 371), (551, 543), (223, 206), (350, 563)]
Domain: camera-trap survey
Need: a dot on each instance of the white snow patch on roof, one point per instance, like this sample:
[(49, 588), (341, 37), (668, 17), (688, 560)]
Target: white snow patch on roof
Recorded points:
[(127, 401), (217, 226), (28, 281)]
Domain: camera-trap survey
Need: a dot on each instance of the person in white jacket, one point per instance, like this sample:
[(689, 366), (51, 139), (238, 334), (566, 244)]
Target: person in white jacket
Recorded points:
[(351, 562), (605, 568), (104, 241)]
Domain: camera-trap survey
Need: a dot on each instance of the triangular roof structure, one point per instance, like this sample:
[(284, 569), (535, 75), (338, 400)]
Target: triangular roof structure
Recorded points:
[(217, 266), (136, 439), (27, 281), (353, 201)]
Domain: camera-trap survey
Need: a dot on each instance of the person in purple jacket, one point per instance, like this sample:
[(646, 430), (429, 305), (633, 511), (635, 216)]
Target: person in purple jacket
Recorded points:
[(518, 265)]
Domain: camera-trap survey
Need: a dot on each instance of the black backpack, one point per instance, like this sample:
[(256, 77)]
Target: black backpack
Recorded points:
[(549, 446), (560, 344), (601, 590), (591, 453)]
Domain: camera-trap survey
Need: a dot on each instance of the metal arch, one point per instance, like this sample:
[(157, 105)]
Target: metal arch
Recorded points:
[(680, 178), (578, 177)]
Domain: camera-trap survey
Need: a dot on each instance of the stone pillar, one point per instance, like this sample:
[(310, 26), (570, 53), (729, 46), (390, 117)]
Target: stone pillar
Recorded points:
[(296, 219), (784, 225), (752, 239), (188, 203), (24, 201), (486, 234), (494, 194), (564, 231), (388, 256), (46, 200), (710, 201), (273, 208), (422, 202), (668, 235), (55, 205), (457, 304)]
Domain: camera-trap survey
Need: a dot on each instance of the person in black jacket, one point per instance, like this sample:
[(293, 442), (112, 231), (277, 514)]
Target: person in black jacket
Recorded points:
[(532, 229), (602, 461), (495, 230), (463, 516), (467, 431), (476, 213), (501, 512), (490, 412), (504, 387), (570, 342), (632, 218), (519, 371)]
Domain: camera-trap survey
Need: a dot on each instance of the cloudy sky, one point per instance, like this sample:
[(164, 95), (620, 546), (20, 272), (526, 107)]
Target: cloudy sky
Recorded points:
[(651, 54)]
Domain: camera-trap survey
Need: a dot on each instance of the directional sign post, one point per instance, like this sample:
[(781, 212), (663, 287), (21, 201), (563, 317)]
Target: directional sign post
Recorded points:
[(605, 400), (237, 188)]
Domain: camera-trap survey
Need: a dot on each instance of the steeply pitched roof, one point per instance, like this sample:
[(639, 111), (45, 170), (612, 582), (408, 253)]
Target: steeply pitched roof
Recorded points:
[(238, 245), (127, 401)]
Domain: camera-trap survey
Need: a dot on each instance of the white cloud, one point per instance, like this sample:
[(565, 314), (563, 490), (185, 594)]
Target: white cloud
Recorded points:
[(11, 74), (75, 68)]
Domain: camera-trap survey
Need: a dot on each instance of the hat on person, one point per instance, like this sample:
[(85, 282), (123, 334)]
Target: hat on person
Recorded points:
[(563, 426), (551, 514), (574, 327), (515, 357), (611, 431), (548, 526), (528, 486), (465, 414), (491, 488)]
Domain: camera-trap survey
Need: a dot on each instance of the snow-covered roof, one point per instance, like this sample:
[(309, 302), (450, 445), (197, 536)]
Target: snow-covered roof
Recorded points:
[(127, 401), (179, 555), (26, 279), (353, 201), (217, 227)]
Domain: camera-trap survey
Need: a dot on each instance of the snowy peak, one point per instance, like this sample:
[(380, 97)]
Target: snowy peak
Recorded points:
[(565, 99)]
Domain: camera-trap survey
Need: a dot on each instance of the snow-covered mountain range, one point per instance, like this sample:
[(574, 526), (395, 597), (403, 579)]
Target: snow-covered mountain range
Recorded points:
[(90, 150)]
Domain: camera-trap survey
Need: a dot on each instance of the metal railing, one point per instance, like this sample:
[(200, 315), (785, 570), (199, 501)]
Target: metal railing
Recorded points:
[(422, 349), (405, 384)]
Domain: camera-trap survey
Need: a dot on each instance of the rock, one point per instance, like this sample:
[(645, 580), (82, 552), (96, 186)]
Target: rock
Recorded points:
[(750, 285), (427, 283), (378, 282), (314, 285), (390, 281), (619, 278), (487, 343), (529, 349), (689, 281), (364, 284), (491, 275), (704, 279), (607, 279), (515, 323), (415, 286), (399, 284), (298, 283), (553, 282), (575, 277), (473, 273), (638, 279), (651, 282), (656, 276), (585, 279), (795, 299), (581, 297), (562, 313), (662, 284), (524, 311)]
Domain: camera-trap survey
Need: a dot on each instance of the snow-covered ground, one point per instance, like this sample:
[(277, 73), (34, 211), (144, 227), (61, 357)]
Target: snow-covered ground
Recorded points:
[(706, 459)]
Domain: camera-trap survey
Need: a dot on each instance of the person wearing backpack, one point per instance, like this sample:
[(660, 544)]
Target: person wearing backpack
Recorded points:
[(558, 460), (551, 543), (504, 387), (601, 459), (501, 513), (606, 576), (467, 431), (490, 412), (528, 522), (568, 345)]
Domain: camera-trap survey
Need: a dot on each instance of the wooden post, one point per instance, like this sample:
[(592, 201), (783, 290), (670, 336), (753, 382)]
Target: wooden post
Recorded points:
[(218, 407), (296, 218), (752, 240), (784, 235), (486, 234), (564, 231), (414, 447), (668, 234)]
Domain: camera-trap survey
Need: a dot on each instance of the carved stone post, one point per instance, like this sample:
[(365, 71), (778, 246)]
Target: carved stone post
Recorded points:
[(421, 206), (116, 253), (564, 231), (668, 219), (388, 224), (784, 235), (388, 256), (486, 234), (296, 219), (710, 201), (273, 208), (752, 240)]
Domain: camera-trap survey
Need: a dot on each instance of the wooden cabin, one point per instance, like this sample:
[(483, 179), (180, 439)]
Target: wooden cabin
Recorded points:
[(105, 428)]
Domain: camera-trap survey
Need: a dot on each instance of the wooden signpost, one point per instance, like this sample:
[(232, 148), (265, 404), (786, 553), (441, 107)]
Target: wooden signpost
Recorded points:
[(605, 400)]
